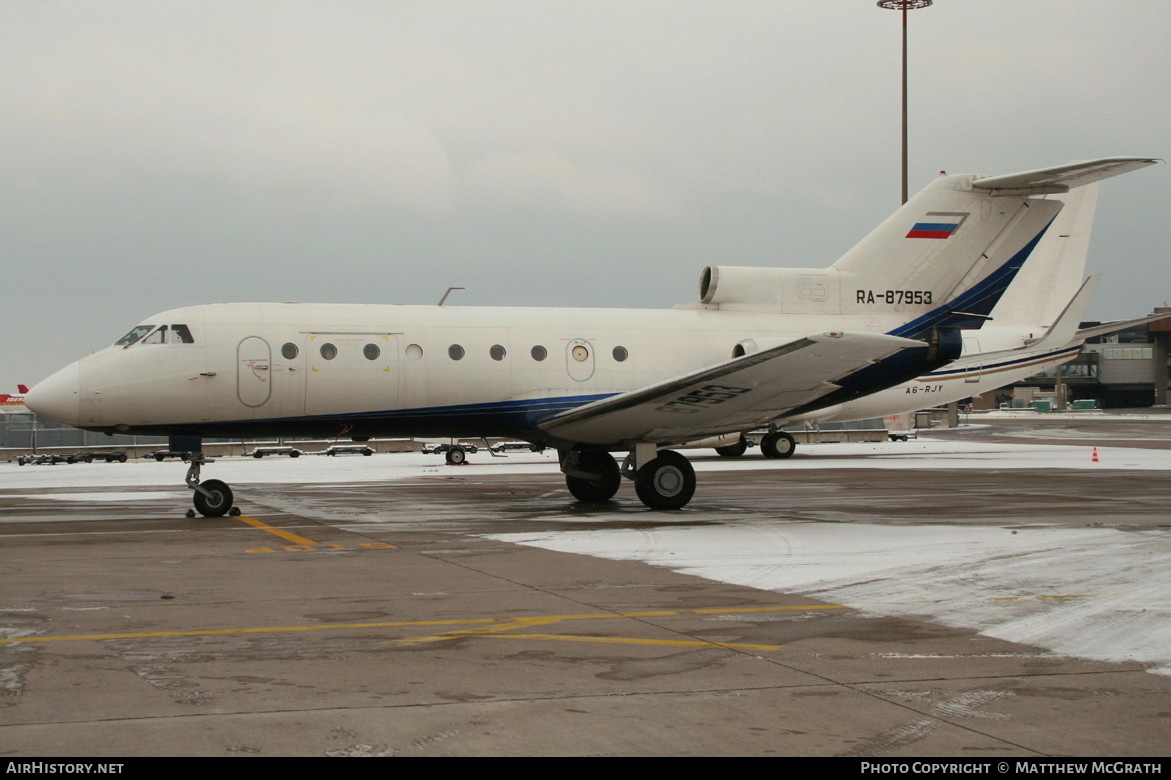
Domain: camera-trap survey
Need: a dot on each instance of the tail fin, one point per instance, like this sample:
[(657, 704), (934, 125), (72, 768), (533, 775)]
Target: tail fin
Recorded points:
[(1053, 274), (22, 389), (942, 260), (1065, 325), (947, 255)]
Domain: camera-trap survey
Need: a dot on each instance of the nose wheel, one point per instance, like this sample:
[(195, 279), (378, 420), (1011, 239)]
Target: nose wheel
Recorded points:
[(212, 498)]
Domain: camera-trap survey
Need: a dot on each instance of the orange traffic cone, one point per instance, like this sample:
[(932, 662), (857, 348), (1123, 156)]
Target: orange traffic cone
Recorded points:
[(1094, 457)]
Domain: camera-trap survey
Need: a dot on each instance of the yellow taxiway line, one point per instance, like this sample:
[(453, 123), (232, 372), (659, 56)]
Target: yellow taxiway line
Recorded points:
[(288, 536), (486, 627)]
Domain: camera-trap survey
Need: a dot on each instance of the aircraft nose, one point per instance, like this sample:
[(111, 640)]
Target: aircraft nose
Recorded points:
[(58, 396)]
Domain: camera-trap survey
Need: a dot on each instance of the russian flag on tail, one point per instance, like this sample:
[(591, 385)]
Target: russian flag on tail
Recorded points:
[(938, 224)]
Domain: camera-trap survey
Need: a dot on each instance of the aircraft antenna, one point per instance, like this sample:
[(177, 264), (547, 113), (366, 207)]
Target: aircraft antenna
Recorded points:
[(449, 290)]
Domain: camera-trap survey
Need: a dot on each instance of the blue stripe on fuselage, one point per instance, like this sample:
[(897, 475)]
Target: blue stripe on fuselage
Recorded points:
[(528, 412)]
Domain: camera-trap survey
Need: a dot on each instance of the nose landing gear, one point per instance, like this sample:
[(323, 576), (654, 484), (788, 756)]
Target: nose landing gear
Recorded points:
[(212, 498)]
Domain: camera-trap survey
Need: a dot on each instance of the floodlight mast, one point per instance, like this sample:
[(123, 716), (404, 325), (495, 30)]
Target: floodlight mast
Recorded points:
[(904, 6)]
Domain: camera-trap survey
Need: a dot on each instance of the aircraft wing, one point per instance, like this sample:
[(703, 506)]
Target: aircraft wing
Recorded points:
[(739, 394)]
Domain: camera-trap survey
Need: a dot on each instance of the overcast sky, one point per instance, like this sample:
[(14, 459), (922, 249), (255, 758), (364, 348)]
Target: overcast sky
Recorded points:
[(537, 152)]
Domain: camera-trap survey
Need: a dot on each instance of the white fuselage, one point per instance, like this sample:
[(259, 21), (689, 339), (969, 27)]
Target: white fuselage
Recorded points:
[(264, 367), (370, 370)]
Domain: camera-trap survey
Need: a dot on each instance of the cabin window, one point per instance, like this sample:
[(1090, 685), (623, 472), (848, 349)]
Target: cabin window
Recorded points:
[(134, 335), (455, 352), (181, 334), (328, 351), (497, 352), (580, 352), (539, 353), (371, 351), (290, 351), (414, 351), (620, 354)]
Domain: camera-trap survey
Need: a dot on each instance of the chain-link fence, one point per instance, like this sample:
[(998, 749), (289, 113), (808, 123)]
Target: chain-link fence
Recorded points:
[(25, 430)]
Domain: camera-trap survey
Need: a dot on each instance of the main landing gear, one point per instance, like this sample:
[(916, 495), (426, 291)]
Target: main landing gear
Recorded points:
[(663, 479), (212, 498), (592, 477), (778, 444), (734, 450), (666, 482)]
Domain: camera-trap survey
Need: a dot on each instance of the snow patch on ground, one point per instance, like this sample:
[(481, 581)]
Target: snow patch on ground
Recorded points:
[(1090, 593)]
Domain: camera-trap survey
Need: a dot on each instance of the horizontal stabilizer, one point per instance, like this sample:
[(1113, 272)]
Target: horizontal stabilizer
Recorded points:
[(1107, 328), (738, 394), (1060, 178)]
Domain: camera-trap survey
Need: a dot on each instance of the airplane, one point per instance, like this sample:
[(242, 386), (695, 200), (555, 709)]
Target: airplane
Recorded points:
[(7, 399), (760, 345)]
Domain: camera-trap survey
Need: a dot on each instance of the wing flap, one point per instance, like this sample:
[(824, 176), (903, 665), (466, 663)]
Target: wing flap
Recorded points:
[(735, 395)]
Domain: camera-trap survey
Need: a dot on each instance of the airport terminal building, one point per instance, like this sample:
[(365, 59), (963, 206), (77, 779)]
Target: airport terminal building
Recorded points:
[(1125, 370)]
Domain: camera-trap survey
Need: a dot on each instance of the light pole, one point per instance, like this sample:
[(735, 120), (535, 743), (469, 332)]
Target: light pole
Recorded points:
[(904, 6)]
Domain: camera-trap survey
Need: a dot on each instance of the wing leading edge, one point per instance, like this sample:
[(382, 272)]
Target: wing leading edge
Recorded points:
[(738, 394)]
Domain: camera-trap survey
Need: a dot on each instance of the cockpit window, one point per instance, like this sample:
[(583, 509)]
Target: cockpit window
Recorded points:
[(181, 334), (134, 335), (158, 337)]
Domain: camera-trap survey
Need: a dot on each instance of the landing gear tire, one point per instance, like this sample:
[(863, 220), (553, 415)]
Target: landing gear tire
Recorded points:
[(733, 450), (456, 456), (667, 482), (217, 503), (778, 445), (601, 488)]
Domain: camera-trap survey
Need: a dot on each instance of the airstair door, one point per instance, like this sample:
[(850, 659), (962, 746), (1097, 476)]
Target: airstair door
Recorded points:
[(253, 371)]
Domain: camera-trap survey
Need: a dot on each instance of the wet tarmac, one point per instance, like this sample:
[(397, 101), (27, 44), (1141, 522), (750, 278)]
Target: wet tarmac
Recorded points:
[(388, 618)]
